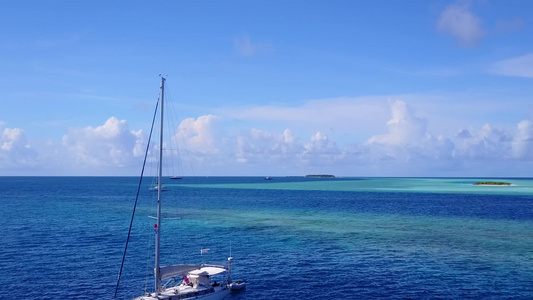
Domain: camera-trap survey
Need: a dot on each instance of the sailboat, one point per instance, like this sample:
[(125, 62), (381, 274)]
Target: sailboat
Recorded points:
[(182, 281)]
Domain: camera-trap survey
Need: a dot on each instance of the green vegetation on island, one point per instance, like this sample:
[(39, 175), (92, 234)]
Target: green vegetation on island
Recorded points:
[(492, 183), (320, 176)]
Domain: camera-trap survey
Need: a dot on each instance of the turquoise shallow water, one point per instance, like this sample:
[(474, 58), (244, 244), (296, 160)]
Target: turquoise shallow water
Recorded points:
[(292, 237), (520, 186)]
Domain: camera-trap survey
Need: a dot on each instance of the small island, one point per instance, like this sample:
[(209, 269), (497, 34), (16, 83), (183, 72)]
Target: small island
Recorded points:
[(492, 183), (320, 176)]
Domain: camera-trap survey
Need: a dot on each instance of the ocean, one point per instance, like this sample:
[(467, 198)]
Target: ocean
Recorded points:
[(291, 237)]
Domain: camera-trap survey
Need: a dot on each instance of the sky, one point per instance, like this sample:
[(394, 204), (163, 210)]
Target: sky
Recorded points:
[(269, 88)]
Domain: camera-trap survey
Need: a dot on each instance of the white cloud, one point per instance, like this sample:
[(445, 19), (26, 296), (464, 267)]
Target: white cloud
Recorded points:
[(15, 151), (355, 119), (404, 127), (460, 23), (487, 143), (400, 142), (12, 137), (284, 152), (407, 139), (320, 144), (257, 146), (198, 135), (406, 148), (320, 151), (352, 118), (521, 66), (360, 109), (110, 145)]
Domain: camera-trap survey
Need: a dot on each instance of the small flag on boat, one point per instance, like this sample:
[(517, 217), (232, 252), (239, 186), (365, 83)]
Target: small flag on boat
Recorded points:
[(202, 251)]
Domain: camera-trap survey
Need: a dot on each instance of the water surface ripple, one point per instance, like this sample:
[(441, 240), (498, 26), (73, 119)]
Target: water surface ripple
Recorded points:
[(291, 237)]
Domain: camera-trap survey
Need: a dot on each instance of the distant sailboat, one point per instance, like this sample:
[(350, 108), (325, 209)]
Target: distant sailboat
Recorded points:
[(157, 187)]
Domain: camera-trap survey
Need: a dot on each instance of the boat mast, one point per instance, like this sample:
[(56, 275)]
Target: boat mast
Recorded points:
[(159, 188)]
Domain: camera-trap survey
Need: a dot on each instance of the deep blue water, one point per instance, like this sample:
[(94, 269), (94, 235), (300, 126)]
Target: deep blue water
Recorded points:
[(291, 237)]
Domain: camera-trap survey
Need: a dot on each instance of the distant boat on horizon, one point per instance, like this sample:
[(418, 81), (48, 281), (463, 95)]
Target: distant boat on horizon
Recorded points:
[(156, 188)]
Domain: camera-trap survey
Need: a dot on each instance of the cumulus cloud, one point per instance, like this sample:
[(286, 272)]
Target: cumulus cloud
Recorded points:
[(319, 143), (404, 127), (521, 66), (405, 144), (111, 144), (285, 152), (459, 22), (321, 151), (407, 139), (487, 143), (256, 146), (15, 151), (13, 138), (406, 147), (198, 134)]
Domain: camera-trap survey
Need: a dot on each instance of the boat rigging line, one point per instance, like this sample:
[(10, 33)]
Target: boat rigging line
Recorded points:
[(136, 199)]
